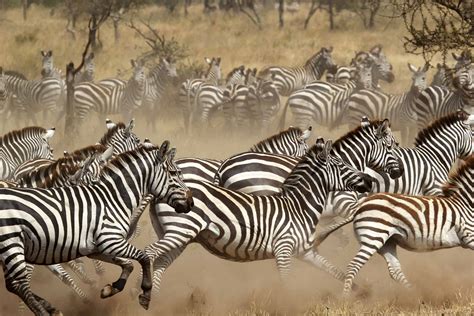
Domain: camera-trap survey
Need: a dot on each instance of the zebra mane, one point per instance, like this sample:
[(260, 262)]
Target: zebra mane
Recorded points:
[(63, 166), (458, 179), (356, 131), (290, 130), (233, 71), (431, 130), (125, 158), (88, 151), (313, 59), (22, 133), (111, 132)]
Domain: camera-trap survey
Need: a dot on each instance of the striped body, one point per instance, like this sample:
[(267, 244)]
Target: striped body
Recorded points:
[(19, 146), (416, 223), (70, 222), (241, 227), (288, 80)]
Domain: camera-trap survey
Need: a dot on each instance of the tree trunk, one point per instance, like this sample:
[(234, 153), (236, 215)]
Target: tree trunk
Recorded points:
[(69, 128), (280, 12), (116, 30), (25, 8), (331, 15), (312, 11)]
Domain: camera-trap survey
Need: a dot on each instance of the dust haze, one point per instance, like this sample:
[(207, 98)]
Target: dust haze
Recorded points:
[(198, 282)]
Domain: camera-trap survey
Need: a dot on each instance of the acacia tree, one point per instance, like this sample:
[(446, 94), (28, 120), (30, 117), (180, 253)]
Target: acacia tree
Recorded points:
[(436, 26)]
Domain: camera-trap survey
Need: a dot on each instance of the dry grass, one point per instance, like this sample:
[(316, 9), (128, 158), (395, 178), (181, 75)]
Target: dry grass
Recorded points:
[(198, 283)]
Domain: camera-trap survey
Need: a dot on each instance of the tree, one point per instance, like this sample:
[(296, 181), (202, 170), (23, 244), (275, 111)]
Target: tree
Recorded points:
[(436, 26), (367, 10)]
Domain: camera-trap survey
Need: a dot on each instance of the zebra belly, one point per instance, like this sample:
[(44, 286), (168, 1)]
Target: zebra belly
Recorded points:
[(445, 239)]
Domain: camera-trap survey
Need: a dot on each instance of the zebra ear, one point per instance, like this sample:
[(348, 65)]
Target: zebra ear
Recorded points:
[(376, 50), (218, 60), (133, 62), (49, 133), (107, 155), (130, 126), (208, 60), (109, 124), (307, 133), (163, 150), (327, 149), (319, 145), (171, 154), (383, 128), (66, 153), (364, 121), (164, 61), (50, 53), (412, 68), (426, 67), (456, 56), (43, 53)]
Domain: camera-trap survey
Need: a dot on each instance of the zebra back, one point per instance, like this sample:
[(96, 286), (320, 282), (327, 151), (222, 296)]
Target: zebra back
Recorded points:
[(290, 142)]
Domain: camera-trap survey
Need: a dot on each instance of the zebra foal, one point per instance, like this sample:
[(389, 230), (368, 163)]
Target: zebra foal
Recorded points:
[(417, 223)]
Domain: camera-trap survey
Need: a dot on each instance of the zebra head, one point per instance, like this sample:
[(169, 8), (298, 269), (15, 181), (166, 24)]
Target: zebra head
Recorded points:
[(321, 61), (236, 76), (339, 174), (250, 76), (462, 60), (363, 74), (45, 150), (382, 156), (120, 136), (47, 63), (418, 78), (170, 67), (214, 72), (176, 194), (463, 81), (138, 72), (383, 67)]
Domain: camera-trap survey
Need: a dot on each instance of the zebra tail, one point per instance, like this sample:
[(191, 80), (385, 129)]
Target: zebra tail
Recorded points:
[(320, 237), (283, 115)]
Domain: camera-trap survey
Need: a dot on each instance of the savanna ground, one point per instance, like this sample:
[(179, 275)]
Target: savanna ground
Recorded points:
[(199, 283)]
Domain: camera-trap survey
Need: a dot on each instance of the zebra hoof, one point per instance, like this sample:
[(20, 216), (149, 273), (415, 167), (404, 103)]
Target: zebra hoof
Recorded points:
[(144, 301), (108, 291), (56, 313)]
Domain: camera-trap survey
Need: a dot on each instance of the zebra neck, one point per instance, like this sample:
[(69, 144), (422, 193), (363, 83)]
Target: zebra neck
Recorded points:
[(313, 71), (440, 160)]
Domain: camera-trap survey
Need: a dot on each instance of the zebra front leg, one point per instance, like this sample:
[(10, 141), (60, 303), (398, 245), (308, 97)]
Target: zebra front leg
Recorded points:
[(282, 250), (78, 269), (98, 267), (59, 272), (118, 247), (116, 287), (389, 252), (314, 258)]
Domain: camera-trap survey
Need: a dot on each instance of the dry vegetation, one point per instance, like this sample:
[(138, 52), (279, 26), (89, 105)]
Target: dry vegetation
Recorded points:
[(199, 283)]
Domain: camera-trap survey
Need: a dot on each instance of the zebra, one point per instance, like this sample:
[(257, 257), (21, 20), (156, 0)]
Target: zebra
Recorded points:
[(22, 145), (210, 97), (45, 215), (156, 83), (189, 87), (426, 166), (259, 173), (263, 101), (241, 227), (313, 104), (417, 223), (339, 74), (291, 142), (88, 72), (288, 80), (436, 101), (383, 69), (33, 96), (110, 96), (398, 108), (4, 95), (118, 135)]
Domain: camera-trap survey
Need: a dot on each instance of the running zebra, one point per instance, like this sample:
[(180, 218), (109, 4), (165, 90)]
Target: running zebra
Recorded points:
[(313, 104), (417, 223), (437, 101), (263, 102), (241, 227), (110, 96), (187, 90), (102, 210), (426, 166), (259, 173), (19, 146), (291, 142), (398, 108), (290, 79), (382, 71)]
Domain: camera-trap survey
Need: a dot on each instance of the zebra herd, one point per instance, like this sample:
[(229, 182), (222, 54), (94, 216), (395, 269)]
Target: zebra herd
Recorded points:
[(265, 203)]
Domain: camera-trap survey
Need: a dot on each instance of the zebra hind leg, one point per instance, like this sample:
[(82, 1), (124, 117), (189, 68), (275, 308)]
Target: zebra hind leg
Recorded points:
[(282, 251), (61, 274), (389, 252)]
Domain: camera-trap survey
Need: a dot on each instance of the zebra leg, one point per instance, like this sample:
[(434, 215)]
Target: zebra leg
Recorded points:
[(389, 252), (282, 251), (366, 251), (78, 269), (59, 271), (99, 267), (314, 258), (17, 281), (113, 250)]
